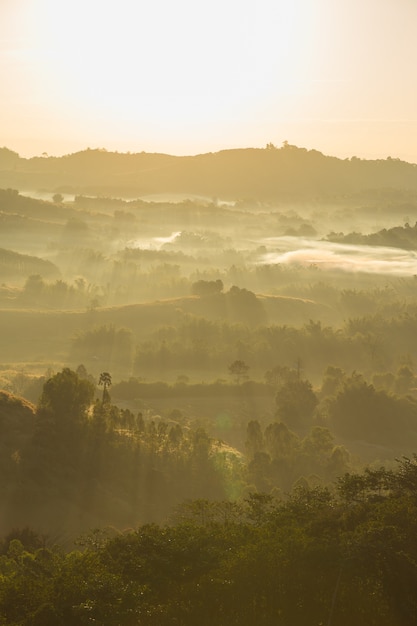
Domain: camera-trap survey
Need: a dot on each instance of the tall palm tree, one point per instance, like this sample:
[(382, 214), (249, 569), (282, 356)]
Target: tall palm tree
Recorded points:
[(105, 380)]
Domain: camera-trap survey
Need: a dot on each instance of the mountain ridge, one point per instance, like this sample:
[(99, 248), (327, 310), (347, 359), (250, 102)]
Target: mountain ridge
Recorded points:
[(267, 174)]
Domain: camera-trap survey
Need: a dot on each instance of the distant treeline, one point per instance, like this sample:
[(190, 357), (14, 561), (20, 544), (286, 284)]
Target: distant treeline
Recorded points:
[(404, 237), (271, 173)]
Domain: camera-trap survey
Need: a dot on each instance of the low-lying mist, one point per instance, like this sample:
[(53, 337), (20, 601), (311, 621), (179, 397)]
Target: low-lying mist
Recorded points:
[(345, 257)]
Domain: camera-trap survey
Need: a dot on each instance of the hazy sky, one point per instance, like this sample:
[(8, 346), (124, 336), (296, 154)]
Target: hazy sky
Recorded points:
[(194, 76)]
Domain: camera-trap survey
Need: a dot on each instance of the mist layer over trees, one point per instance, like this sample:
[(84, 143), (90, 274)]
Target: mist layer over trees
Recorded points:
[(211, 361)]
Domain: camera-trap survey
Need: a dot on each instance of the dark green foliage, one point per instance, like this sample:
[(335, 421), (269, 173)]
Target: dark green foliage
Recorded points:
[(359, 411), (30, 540), (278, 459), (316, 558), (296, 402), (17, 427), (244, 306), (82, 463), (66, 396)]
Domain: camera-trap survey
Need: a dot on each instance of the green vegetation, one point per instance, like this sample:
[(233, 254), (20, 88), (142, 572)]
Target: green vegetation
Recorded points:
[(341, 556), (219, 375), (78, 460)]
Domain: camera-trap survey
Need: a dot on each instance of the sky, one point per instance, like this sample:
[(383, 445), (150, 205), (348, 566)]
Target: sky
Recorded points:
[(193, 76)]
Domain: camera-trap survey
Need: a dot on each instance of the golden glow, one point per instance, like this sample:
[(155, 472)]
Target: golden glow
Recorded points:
[(191, 76), (170, 63)]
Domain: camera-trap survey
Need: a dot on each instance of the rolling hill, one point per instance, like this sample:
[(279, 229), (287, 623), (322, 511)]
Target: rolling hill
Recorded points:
[(266, 174)]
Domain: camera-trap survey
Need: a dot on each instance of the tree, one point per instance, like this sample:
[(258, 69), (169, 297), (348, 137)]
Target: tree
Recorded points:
[(34, 287), (66, 396), (359, 411), (280, 442), (280, 374), (239, 370), (333, 379), (296, 402), (105, 380), (244, 306), (254, 438)]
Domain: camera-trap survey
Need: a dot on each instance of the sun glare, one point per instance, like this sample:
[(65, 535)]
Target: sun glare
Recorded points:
[(187, 75), (169, 66)]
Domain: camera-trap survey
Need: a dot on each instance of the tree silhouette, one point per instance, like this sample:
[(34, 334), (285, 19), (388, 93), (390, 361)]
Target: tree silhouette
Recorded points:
[(105, 380), (239, 370), (296, 402), (66, 397)]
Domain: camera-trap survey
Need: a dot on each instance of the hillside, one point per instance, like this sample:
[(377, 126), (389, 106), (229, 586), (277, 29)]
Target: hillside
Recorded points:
[(265, 174), (14, 266), (17, 424)]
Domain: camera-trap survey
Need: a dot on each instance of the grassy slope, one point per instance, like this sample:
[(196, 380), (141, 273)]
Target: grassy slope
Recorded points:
[(46, 336)]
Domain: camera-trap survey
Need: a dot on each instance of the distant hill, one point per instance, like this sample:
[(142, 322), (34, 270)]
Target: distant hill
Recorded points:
[(266, 174), (12, 204), (14, 265)]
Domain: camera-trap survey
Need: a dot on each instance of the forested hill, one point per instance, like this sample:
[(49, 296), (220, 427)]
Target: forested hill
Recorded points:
[(266, 174)]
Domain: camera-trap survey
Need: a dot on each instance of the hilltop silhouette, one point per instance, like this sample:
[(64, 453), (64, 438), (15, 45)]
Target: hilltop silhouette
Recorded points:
[(267, 174)]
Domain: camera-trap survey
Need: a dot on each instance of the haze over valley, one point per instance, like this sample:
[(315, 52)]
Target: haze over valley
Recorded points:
[(178, 289), (208, 313), (219, 345), (210, 348)]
